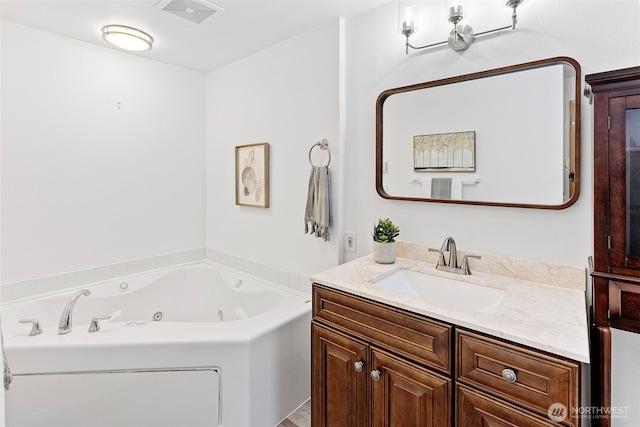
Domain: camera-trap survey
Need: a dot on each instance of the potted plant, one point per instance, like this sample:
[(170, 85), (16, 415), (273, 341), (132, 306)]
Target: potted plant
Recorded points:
[(384, 243)]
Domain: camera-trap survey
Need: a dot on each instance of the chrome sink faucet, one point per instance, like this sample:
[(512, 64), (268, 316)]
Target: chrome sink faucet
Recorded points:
[(449, 245), (64, 326)]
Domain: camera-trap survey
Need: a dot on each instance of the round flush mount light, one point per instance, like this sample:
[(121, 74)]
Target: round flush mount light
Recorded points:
[(127, 38)]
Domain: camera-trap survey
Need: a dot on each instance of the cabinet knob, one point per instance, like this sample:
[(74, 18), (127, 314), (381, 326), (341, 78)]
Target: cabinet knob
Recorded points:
[(358, 366), (509, 375), (375, 375)]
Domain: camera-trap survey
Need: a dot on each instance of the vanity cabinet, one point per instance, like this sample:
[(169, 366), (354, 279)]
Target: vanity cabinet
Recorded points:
[(616, 199), (376, 365)]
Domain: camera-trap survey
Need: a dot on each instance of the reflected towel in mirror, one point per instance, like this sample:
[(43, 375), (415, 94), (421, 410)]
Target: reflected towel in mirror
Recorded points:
[(440, 188)]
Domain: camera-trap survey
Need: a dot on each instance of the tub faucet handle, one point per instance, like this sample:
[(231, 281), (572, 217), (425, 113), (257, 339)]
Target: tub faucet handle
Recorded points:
[(94, 326), (35, 326)]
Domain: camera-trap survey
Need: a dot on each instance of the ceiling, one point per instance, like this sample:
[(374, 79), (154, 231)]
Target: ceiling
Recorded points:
[(245, 26)]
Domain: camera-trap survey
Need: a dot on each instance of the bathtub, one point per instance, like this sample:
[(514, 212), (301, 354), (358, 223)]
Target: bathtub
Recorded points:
[(196, 345)]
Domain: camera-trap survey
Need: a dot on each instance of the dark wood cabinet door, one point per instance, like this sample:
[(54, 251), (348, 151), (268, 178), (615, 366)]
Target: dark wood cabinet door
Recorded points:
[(339, 380), (406, 395), (624, 184)]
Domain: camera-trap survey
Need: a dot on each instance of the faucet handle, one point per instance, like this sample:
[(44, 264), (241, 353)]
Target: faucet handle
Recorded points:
[(94, 326), (441, 260), (35, 326), (465, 263)]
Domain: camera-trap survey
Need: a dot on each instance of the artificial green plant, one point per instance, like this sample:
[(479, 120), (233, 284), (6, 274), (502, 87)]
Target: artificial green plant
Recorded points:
[(385, 231)]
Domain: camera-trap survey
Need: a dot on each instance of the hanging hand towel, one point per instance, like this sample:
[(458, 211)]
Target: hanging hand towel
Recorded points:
[(318, 215)]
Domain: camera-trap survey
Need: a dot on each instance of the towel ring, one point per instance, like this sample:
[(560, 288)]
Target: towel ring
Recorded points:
[(324, 145)]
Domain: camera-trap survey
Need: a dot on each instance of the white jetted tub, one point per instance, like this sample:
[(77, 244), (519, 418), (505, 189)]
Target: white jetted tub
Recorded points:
[(196, 345)]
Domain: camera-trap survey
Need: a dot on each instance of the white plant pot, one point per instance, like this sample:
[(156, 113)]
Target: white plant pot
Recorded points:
[(384, 253)]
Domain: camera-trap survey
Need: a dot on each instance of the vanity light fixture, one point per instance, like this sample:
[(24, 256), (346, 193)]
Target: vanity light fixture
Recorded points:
[(462, 36), (127, 38)]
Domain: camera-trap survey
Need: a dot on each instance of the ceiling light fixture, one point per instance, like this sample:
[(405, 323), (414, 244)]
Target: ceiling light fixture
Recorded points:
[(127, 38), (462, 36)]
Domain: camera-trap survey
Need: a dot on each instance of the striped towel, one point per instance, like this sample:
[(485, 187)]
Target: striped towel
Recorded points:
[(441, 188), (318, 216)]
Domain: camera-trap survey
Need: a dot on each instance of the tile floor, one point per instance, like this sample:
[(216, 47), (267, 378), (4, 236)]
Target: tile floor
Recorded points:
[(300, 418)]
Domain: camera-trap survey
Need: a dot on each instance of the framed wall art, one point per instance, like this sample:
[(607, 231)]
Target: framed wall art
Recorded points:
[(252, 175)]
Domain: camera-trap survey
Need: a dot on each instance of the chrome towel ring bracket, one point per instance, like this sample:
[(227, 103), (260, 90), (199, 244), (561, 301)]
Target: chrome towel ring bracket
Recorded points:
[(324, 145)]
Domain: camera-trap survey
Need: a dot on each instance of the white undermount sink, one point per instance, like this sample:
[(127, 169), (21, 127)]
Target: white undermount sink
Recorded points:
[(469, 296)]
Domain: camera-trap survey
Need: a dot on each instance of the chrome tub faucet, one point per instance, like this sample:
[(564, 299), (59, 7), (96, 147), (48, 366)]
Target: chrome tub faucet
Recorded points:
[(65, 324)]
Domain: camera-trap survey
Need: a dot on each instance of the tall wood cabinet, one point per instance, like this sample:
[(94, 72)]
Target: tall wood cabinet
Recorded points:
[(616, 179)]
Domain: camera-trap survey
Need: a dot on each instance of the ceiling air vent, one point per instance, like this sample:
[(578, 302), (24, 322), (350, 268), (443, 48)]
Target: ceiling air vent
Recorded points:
[(191, 10)]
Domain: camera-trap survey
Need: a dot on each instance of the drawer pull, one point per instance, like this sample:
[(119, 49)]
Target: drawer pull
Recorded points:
[(509, 375), (375, 375), (358, 366)]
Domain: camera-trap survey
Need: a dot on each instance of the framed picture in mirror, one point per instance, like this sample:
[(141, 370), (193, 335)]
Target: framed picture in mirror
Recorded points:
[(445, 152)]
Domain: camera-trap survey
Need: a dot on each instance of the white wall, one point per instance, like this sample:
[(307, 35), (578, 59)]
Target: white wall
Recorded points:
[(590, 33), (289, 96), (625, 374), (102, 155), (600, 35)]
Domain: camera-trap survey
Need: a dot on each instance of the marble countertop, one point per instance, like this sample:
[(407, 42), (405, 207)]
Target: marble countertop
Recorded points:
[(538, 315)]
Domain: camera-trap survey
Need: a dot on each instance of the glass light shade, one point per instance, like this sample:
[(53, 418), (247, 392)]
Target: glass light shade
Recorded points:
[(455, 8), (127, 38), (408, 12), (513, 3)]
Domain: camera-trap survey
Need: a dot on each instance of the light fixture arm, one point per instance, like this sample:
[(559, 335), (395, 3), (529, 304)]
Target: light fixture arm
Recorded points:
[(457, 36), (462, 36), (495, 30), (409, 45)]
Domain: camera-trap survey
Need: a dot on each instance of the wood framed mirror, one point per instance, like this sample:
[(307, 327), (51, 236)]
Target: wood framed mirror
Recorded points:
[(503, 137)]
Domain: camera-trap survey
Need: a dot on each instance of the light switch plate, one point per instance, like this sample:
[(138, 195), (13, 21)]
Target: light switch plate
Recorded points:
[(349, 241)]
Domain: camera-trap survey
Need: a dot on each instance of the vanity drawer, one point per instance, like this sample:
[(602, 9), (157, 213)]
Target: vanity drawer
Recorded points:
[(476, 409), (539, 380), (420, 339)]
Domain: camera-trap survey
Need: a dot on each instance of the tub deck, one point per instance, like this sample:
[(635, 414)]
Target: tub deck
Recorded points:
[(262, 362)]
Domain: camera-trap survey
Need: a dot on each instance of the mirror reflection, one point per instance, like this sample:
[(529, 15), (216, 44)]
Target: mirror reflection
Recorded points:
[(508, 136)]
